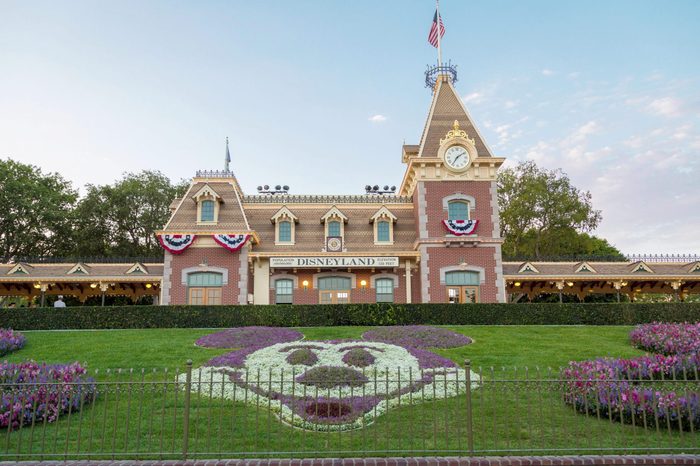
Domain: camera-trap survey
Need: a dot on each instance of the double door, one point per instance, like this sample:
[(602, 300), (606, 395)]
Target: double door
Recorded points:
[(334, 297), (462, 294)]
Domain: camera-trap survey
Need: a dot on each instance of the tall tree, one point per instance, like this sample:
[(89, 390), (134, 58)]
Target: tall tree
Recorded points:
[(35, 212), (543, 214), (120, 219)]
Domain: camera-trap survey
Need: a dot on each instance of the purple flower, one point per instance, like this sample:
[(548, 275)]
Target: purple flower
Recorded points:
[(417, 336), (10, 341), (243, 337), (666, 338), (35, 392)]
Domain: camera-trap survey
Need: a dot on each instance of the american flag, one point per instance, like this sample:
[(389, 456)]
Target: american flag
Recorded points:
[(432, 37)]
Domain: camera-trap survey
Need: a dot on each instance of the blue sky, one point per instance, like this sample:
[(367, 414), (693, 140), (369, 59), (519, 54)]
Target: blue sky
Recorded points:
[(320, 95)]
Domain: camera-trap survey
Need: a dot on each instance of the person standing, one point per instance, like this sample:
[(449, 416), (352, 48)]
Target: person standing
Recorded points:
[(59, 302)]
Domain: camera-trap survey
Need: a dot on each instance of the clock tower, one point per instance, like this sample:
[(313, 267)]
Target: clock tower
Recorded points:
[(451, 176)]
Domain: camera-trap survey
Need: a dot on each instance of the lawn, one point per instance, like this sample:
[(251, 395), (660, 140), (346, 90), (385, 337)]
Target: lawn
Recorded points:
[(140, 413)]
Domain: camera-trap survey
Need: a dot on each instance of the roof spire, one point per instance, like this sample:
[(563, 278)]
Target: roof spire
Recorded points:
[(228, 157)]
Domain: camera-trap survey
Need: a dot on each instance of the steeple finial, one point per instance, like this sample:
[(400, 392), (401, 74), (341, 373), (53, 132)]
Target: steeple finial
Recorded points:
[(228, 157)]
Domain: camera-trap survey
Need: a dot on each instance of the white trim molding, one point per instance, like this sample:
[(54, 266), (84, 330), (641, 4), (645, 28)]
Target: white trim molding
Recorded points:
[(204, 268), (463, 268), (377, 276), (283, 276), (351, 276)]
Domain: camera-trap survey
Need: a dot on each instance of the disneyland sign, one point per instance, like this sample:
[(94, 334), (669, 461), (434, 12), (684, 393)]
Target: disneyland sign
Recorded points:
[(340, 262)]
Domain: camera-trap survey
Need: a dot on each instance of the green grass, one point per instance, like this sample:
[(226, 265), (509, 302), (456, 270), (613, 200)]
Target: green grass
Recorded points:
[(140, 413)]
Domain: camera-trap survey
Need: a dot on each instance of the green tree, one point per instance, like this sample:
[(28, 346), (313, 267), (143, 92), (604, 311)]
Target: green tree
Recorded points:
[(543, 214), (120, 219), (35, 217)]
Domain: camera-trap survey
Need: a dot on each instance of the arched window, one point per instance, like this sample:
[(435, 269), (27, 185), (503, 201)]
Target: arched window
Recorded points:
[(385, 290), (383, 231), (285, 231), (207, 211), (204, 288), (458, 210), (462, 286), (334, 228), (334, 290), (283, 291), (461, 278)]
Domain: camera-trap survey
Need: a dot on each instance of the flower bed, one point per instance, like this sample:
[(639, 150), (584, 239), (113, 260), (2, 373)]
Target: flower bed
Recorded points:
[(38, 393), (245, 337), (666, 338), (633, 390), (332, 385), (417, 336), (10, 341)]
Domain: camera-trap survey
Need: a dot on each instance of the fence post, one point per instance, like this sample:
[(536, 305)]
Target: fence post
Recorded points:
[(470, 427), (186, 417)]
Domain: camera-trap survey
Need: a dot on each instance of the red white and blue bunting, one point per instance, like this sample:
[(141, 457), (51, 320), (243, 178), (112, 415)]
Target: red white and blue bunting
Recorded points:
[(176, 244), (231, 242), (460, 227)]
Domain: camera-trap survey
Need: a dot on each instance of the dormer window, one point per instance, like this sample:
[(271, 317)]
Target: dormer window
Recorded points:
[(208, 202), (207, 211), (334, 221), (284, 221), (383, 221)]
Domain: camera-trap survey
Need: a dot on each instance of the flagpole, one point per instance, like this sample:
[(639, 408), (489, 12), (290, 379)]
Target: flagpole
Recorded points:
[(439, 30)]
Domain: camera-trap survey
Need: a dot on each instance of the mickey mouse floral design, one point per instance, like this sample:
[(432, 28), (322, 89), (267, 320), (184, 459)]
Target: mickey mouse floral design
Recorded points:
[(332, 385)]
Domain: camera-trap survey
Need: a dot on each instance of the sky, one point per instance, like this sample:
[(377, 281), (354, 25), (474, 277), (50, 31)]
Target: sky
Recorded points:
[(320, 95)]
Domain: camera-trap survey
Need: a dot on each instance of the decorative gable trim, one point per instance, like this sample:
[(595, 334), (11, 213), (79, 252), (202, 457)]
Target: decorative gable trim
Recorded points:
[(694, 267), (641, 266), (20, 268), (284, 212), (585, 267), (207, 191), (528, 267), (137, 268), (334, 213), (79, 268), (383, 212)]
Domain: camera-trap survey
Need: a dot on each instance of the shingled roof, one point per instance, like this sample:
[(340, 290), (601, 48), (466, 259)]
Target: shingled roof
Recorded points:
[(447, 107)]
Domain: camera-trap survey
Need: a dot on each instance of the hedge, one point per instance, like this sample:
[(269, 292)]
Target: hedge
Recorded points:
[(348, 314)]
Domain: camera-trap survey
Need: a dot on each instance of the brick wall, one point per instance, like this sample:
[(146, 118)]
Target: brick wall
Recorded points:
[(436, 191), (444, 257), (358, 294), (214, 257)]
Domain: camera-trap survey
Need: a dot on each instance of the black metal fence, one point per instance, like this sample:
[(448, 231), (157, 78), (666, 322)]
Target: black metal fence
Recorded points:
[(227, 413)]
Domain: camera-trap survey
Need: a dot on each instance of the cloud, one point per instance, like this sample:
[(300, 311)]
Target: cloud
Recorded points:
[(474, 97), (573, 75), (547, 72), (509, 104), (666, 106), (377, 118)]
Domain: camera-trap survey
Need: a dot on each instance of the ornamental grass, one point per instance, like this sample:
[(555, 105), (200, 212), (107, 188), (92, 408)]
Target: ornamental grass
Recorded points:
[(10, 341), (39, 393)]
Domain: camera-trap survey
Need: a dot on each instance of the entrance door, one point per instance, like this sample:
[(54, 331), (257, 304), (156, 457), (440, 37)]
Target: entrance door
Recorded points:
[(462, 294), (334, 290), (462, 287)]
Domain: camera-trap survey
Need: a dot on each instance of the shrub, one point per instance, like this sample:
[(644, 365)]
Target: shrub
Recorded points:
[(347, 314), (37, 393), (10, 341)]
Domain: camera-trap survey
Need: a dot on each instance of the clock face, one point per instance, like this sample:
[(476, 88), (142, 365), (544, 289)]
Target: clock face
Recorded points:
[(334, 244), (457, 157)]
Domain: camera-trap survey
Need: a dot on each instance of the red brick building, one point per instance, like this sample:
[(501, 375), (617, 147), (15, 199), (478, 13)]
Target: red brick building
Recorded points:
[(436, 239)]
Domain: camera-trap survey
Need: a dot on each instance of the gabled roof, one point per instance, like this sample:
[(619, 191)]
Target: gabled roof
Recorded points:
[(284, 212), (79, 268), (138, 267), (205, 191), (585, 267), (21, 267), (694, 267), (528, 267), (640, 266), (447, 107), (334, 212), (231, 219), (383, 212)]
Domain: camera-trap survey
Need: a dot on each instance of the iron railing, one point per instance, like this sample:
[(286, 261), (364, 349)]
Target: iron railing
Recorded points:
[(162, 414)]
